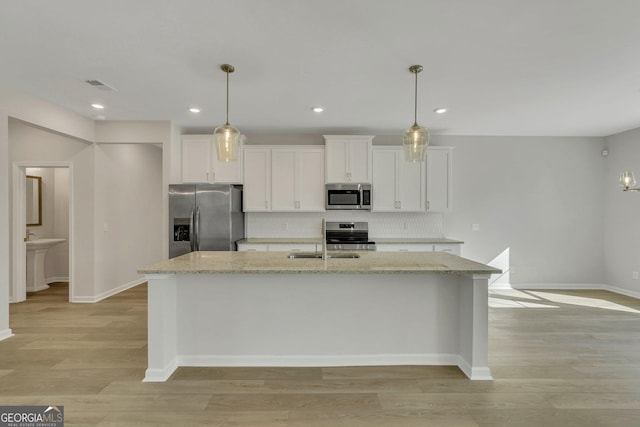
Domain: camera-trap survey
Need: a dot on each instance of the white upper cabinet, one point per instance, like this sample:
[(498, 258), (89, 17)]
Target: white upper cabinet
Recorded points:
[(256, 192), (439, 171), (397, 185), (348, 158), (200, 162), (284, 179)]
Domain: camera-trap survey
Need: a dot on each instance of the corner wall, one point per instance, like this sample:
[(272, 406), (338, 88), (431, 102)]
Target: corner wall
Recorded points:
[(621, 213), (538, 203)]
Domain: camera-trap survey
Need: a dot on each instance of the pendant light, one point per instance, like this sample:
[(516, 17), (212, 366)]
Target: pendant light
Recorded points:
[(416, 138), (226, 137), (628, 181)]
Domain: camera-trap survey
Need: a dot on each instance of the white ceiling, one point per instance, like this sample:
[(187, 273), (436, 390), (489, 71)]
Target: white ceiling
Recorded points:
[(501, 67)]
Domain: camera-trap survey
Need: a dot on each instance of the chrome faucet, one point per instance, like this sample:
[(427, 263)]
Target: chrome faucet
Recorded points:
[(28, 234), (324, 238)]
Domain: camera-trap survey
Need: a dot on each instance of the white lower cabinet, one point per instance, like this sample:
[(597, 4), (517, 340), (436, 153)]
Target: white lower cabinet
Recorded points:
[(454, 249), (276, 247), (253, 247)]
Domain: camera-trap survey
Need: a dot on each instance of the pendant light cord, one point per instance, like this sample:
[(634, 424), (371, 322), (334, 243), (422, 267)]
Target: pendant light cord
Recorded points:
[(227, 97), (415, 106)]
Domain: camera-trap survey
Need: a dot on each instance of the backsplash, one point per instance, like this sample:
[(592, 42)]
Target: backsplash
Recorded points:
[(381, 224)]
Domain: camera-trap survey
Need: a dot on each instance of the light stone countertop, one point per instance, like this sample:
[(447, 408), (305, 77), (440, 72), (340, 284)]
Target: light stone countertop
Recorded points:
[(382, 240), (279, 263)]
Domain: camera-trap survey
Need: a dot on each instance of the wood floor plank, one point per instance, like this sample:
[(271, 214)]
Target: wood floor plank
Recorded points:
[(574, 363)]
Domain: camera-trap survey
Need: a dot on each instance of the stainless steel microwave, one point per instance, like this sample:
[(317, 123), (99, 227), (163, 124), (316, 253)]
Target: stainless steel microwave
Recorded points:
[(348, 196)]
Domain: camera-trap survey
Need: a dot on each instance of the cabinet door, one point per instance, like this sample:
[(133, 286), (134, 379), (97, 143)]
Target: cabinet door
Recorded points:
[(196, 155), (226, 172), (348, 158), (439, 179), (253, 247), (310, 189), (336, 160), (359, 160), (384, 180), (257, 179), (453, 249), (411, 184), (283, 179)]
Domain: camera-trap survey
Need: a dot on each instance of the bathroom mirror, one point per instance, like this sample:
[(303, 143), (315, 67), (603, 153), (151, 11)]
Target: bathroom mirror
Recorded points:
[(34, 200)]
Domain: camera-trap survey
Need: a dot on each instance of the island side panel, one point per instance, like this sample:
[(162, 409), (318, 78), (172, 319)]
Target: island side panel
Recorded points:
[(474, 326), (162, 327), (318, 319)]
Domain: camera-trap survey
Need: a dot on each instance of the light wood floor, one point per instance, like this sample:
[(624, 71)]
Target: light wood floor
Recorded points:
[(558, 359)]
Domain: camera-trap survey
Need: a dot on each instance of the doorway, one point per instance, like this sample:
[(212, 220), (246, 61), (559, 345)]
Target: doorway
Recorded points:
[(55, 221)]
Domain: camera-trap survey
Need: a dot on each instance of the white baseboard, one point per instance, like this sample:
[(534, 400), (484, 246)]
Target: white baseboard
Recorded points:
[(567, 287), (476, 374), (5, 334), (622, 291), (50, 280), (561, 286), (160, 375), (320, 360), (109, 293)]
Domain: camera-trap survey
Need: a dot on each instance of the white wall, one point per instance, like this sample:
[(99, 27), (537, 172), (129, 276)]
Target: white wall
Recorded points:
[(621, 213), (129, 204), (539, 197)]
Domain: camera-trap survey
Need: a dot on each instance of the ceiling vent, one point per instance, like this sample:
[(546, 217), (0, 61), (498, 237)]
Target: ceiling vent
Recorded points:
[(100, 85)]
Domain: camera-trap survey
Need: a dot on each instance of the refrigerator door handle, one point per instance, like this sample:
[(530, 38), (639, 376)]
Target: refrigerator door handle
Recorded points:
[(197, 228), (192, 237)]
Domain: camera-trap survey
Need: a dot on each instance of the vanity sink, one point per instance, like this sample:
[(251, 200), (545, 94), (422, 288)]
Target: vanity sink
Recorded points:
[(36, 252), (318, 255), (33, 245)]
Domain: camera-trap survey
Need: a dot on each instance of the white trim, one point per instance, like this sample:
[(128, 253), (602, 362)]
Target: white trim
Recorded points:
[(622, 291), (477, 373), (567, 287), (50, 280), (5, 334), (110, 292), (18, 290), (320, 360), (160, 375)]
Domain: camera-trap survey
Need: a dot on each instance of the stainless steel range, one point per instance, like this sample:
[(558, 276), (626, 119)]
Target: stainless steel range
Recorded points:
[(353, 236)]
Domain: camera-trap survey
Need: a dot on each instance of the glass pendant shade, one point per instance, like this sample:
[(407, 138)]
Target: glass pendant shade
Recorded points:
[(415, 142), (627, 180), (227, 140)]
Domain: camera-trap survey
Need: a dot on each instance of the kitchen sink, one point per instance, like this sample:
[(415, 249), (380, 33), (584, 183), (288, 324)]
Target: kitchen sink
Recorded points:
[(318, 255)]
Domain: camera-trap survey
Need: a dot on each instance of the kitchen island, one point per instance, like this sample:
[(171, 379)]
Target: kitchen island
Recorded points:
[(265, 309)]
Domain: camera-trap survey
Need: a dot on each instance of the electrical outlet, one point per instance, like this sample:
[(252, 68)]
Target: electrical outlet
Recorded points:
[(105, 227), (634, 274), (475, 227)]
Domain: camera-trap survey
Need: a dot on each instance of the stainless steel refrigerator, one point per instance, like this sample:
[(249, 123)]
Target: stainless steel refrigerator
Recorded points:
[(204, 217)]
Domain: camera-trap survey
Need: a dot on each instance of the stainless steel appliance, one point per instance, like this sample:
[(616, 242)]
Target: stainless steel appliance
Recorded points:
[(204, 217), (349, 236), (348, 196)]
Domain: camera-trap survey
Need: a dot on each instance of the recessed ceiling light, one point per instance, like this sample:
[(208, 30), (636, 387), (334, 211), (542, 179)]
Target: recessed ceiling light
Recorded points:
[(440, 110), (98, 106), (317, 109), (194, 110)]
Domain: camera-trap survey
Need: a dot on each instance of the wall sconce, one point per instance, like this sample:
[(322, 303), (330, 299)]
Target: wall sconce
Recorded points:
[(628, 181)]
